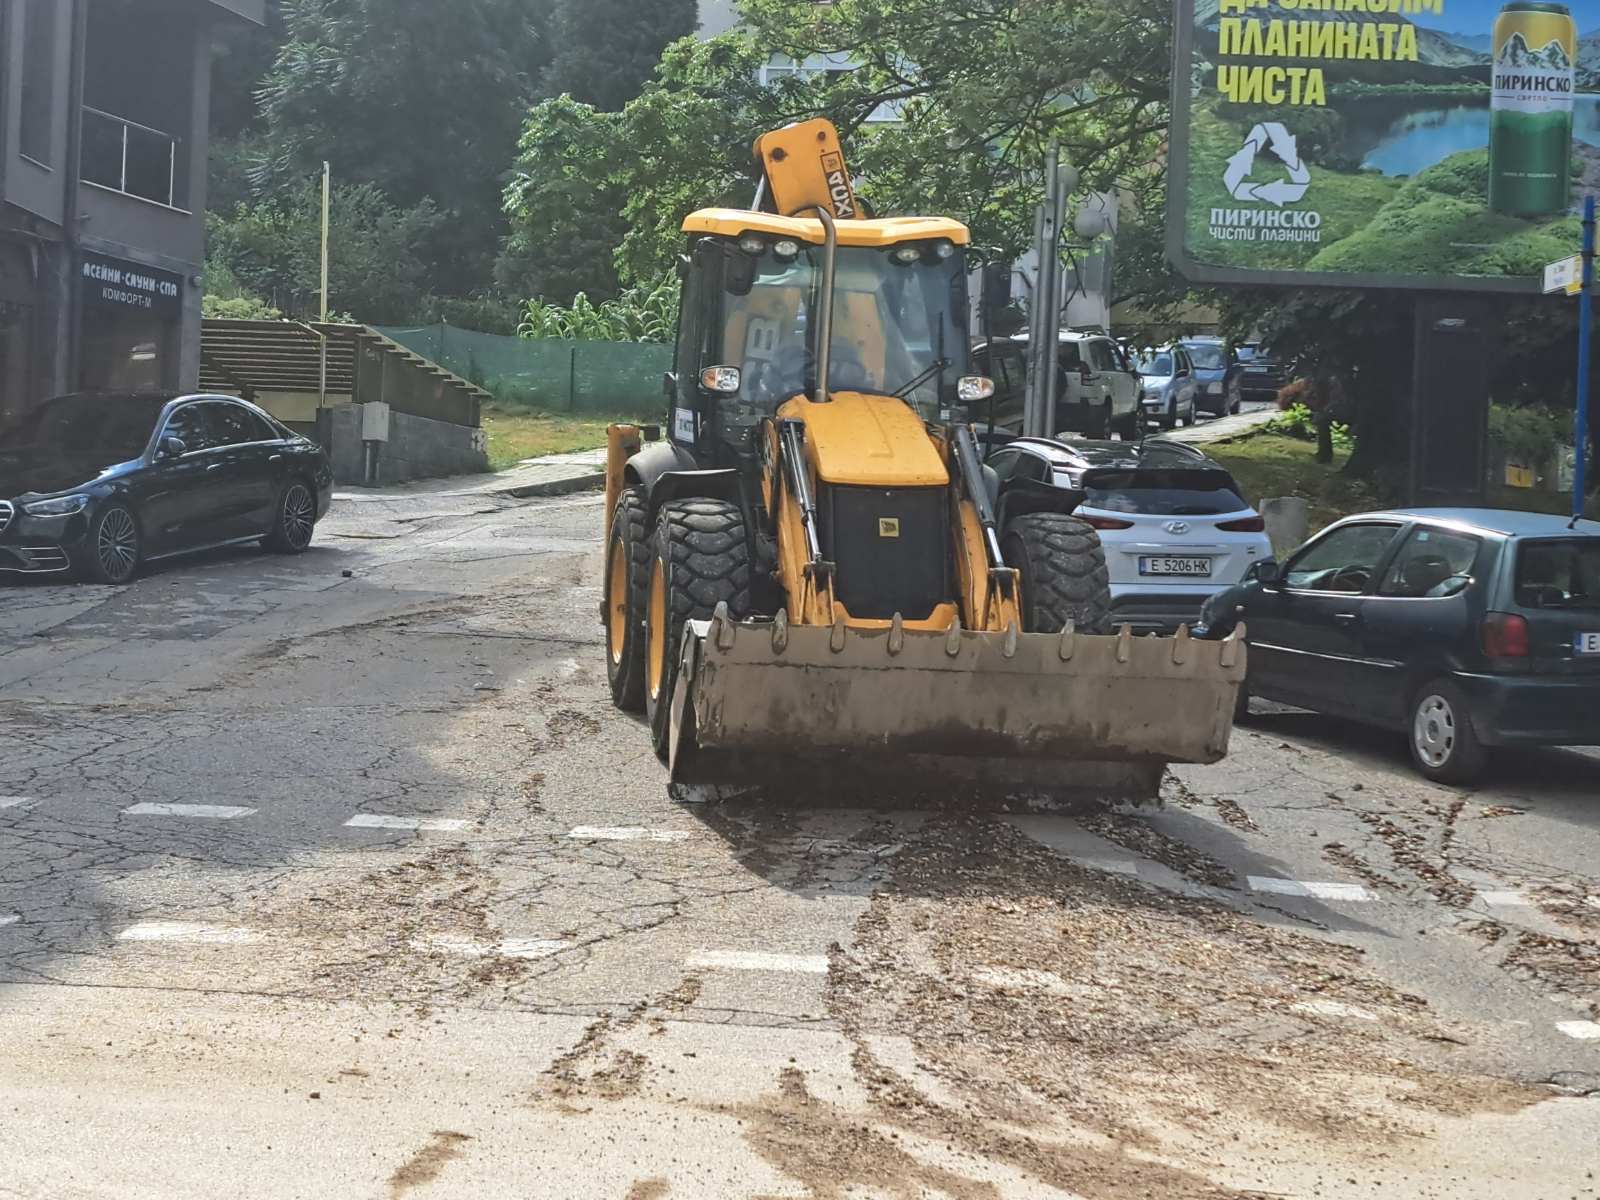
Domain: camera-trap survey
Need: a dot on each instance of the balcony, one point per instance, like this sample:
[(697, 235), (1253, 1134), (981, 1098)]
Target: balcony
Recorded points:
[(132, 159)]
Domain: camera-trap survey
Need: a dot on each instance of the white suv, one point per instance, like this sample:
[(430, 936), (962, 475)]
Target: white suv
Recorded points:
[(1174, 525), (1097, 390)]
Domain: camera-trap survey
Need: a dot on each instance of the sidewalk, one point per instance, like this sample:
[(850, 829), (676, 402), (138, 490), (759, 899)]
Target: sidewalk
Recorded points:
[(1221, 429), (555, 475)]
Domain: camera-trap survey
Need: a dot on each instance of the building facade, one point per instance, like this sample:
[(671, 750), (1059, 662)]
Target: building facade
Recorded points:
[(104, 114)]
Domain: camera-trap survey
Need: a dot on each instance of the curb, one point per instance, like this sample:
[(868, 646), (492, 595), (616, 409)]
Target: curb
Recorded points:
[(555, 487)]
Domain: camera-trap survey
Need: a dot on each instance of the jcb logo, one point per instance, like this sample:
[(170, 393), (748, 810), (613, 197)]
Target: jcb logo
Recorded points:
[(839, 191), (888, 527)]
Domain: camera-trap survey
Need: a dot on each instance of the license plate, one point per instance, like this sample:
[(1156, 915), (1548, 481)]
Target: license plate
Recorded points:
[(1586, 644), (1178, 566)]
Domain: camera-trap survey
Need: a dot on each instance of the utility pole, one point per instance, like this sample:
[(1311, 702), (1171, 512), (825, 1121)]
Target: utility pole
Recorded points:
[(1580, 435), (1044, 326), (327, 208)]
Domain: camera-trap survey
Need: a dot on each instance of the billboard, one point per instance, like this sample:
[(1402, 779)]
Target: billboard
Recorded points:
[(1391, 143)]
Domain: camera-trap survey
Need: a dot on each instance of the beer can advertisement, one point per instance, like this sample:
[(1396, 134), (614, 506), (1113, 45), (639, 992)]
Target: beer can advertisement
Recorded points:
[(1401, 143)]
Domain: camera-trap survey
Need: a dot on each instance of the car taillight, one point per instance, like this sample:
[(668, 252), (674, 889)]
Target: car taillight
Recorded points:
[(1244, 525), (1505, 635), (1104, 522)]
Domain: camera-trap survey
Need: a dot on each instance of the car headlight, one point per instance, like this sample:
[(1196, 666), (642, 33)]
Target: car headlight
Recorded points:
[(61, 506), (1151, 395)]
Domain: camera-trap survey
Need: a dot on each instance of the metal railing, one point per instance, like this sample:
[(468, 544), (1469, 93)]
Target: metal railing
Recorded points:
[(125, 156)]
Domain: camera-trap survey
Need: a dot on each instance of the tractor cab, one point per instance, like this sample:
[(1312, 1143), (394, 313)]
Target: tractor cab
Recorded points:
[(752, 300)]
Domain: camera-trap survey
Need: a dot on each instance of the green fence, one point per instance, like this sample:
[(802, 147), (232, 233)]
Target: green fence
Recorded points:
[(567, 376)]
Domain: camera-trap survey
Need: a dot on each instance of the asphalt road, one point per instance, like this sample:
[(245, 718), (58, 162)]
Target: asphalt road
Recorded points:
[(338, 876)]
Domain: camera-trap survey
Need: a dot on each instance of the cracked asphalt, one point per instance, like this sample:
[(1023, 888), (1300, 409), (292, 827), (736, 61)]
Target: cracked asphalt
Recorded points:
[(526, 971)]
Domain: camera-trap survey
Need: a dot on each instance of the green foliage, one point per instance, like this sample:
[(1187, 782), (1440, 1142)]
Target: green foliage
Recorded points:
[(1528, 435), (272, 249), (1298, 421), (994, 83), (237, 308), (421, 100), (643, 313), (603, 51)]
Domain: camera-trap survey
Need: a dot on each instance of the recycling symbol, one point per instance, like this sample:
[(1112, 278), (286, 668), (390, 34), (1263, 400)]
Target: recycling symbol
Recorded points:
[(1270, 135)]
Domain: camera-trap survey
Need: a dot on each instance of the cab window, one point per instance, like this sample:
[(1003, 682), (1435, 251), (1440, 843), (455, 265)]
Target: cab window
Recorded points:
[(1344, 561)]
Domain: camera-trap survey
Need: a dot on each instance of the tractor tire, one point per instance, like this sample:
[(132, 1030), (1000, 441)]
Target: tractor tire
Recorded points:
[(700, 558), (1063, 573), (627, 592)]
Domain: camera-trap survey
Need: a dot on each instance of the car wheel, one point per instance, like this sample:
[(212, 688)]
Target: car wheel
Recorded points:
[(112, 547), (1170, 417), (294, 520), (1237, 398), (1100, 423), (1444, 746)]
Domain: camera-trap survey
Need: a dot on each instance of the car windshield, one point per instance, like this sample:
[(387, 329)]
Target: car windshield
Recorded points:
[(1163, 493), (108, 429), (897, 328), (1564, 574), (1248, 353), (1206, 356), (1157, 365)]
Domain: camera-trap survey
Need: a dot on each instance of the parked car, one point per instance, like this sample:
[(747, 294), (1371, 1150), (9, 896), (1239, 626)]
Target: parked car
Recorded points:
[(1467, 628), (1167, 390), (1097, 388), (1262, 376), (1219, 377), (1175, 527), (96, 484)]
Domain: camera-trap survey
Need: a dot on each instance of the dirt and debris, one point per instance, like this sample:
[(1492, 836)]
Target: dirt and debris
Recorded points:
[(426, 1165), (1138, 835), (1341, 855)]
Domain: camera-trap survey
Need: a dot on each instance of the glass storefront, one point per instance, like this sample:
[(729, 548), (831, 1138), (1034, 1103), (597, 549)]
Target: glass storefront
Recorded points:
[(132, 326), (16, 329)]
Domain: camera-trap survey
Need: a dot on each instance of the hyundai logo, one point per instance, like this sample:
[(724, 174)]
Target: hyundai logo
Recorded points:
[(1177, 527)]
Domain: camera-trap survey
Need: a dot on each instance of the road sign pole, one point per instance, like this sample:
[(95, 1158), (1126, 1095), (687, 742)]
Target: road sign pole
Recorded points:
[(1580, 437)]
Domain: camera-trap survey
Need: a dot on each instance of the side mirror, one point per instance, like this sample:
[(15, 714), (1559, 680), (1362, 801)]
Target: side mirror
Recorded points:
[(974, 389), (173, 447), (721, 381), (1266, 571)]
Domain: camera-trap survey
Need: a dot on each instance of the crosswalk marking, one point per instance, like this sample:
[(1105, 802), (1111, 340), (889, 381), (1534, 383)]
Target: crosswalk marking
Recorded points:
[(189, 932), (1300, 887), (753, 960), (1584, 1031), (14, 801), (629, 833), (1505, 899), (9, 919), (424, 824), (203, 812), (517, 947)]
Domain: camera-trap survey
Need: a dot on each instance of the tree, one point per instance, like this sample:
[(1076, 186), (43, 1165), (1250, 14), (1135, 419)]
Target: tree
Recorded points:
[(270, 249), (994, 82), (603, 51), (424, 101)]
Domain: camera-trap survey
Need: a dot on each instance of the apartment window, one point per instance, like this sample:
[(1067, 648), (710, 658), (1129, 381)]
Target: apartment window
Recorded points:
[(38, 78)]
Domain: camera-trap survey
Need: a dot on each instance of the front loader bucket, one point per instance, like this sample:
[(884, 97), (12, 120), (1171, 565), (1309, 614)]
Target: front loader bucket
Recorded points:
[(1069, 714)]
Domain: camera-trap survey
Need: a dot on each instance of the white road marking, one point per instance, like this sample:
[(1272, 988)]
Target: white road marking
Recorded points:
[(754, 960), (595, 833), (1024, 978), (15, 801), (1300, 887), (1584, 1031), (425, 824), (189, 932), (10, 919), (1505, 899), (1111, 866), (1333, 1008), (203, 812), (523, 947)]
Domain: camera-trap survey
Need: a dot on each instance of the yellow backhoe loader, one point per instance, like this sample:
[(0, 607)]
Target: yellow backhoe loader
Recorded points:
[(814, 564)]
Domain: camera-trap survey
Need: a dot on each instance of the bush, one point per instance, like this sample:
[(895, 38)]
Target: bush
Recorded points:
[(1299, 422), (1528, 435), (643, 313)]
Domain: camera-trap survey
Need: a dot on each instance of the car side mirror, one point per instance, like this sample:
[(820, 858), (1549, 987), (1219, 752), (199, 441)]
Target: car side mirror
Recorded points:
[(1266, 571), (173, 447)]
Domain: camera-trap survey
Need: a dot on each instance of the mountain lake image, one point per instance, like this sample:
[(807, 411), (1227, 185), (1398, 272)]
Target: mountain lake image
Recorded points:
[(1390, 137)]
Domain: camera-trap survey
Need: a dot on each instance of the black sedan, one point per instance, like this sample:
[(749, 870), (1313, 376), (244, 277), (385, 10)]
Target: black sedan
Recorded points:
[(93, 485), (1466, 628)]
